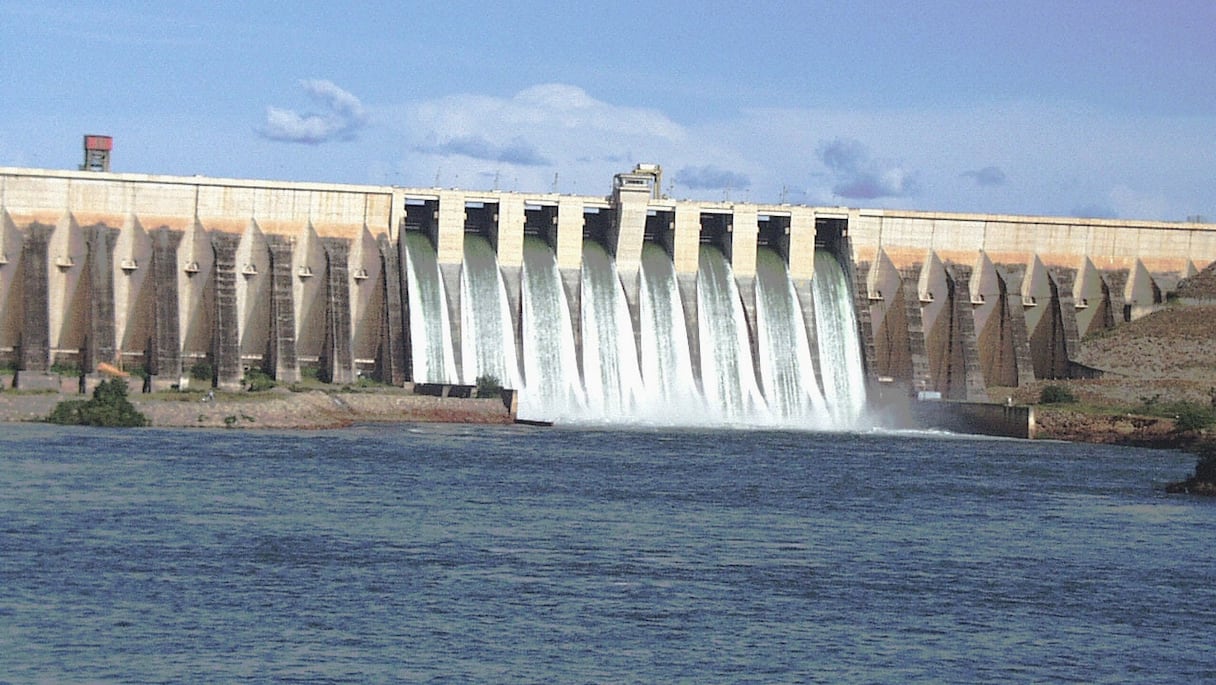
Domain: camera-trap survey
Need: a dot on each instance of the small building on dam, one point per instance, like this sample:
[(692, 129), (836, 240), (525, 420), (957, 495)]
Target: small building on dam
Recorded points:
[(628, 304)]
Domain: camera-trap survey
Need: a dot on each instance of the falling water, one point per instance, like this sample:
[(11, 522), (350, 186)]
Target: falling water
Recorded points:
[(485, 317), (785, 354), (726, 363), (430, 330), (610, 364), (671, 387), (839, 344), (553, 390), (660, 386)]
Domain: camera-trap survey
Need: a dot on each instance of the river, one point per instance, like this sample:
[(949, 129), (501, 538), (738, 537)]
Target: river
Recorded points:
[(444, 553)]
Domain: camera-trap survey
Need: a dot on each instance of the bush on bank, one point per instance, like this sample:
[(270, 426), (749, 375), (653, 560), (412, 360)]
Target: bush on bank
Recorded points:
[(109, 407), (1056, 394)]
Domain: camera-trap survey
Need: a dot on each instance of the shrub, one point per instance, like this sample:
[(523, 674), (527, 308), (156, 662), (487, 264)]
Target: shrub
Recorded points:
[(1056, 394), (68, 413), (109, 407), (65, 369), (201, 371), (257, 380), (488, 386), (1189, 416)]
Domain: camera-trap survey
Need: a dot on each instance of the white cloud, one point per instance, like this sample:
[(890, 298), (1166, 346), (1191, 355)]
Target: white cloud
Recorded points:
[(1053, 158), (857, 176), (531, 136), (341, 115)]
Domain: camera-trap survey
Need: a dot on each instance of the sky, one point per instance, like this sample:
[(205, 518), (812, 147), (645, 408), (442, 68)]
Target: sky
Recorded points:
[(1098, 108)]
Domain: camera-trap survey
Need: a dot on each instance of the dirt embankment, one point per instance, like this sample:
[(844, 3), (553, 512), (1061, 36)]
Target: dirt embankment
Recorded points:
[(1133, 430), (1165, 358)]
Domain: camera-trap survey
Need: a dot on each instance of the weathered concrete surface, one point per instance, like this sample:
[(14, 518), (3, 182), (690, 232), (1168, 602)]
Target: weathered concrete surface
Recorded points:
[(290, 275), (977, 418)]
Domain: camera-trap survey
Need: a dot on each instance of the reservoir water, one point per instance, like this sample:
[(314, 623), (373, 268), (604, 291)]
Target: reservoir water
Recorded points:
[(462, 554)]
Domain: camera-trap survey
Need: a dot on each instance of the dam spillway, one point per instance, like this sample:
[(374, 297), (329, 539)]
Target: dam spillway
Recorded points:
[(625, 307)]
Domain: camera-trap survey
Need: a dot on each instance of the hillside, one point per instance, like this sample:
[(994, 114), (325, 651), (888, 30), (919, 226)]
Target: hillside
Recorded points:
[(1164, 358), (1167, 356)]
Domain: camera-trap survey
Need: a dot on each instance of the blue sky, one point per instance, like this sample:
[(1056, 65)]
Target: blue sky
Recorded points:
[(1098, 108)]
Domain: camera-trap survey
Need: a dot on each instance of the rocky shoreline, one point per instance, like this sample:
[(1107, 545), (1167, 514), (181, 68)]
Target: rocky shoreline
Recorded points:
[(1128, 430)]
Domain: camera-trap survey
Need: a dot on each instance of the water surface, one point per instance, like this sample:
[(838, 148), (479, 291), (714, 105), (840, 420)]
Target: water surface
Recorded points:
[(510, 554)]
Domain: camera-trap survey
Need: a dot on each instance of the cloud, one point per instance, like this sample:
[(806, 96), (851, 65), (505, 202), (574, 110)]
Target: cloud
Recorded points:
[(857, 176), (710, 177), (553, 135), (340, 117), (561, 138), (988, 176), (518, 151)]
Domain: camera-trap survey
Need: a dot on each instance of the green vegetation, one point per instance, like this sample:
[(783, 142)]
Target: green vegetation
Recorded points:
[(1193, 417), (488, 386), (65, 368), (201, 371), (1187, 415), (363, 381), (1056, 394), (109, 407), (257, 380)]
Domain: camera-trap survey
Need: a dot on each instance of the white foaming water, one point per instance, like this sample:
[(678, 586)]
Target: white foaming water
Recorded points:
[(430, 330), (840, 357), (553, 390), (610, 364), (727, 374), (671, 388), (487, 336), (785, 353), (660, 387)]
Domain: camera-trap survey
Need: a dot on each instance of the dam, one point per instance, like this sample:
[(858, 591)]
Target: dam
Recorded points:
[(627, 307)]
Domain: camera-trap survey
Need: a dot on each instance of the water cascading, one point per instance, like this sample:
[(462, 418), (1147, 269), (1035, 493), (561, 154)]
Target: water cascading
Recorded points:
[(786, 369), (840, 357), (487, 334), (553, 390), (727, 374), (430, 329), (671, 387), (660, 387), (610, 366)]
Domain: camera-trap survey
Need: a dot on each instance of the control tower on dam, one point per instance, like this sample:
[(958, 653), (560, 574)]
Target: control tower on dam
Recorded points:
[(169, 275)]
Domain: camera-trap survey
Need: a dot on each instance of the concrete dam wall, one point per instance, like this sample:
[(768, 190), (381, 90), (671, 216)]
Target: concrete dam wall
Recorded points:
[(161, 273)]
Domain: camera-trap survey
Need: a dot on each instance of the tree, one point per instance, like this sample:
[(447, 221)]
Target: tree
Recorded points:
[(109, 407)]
